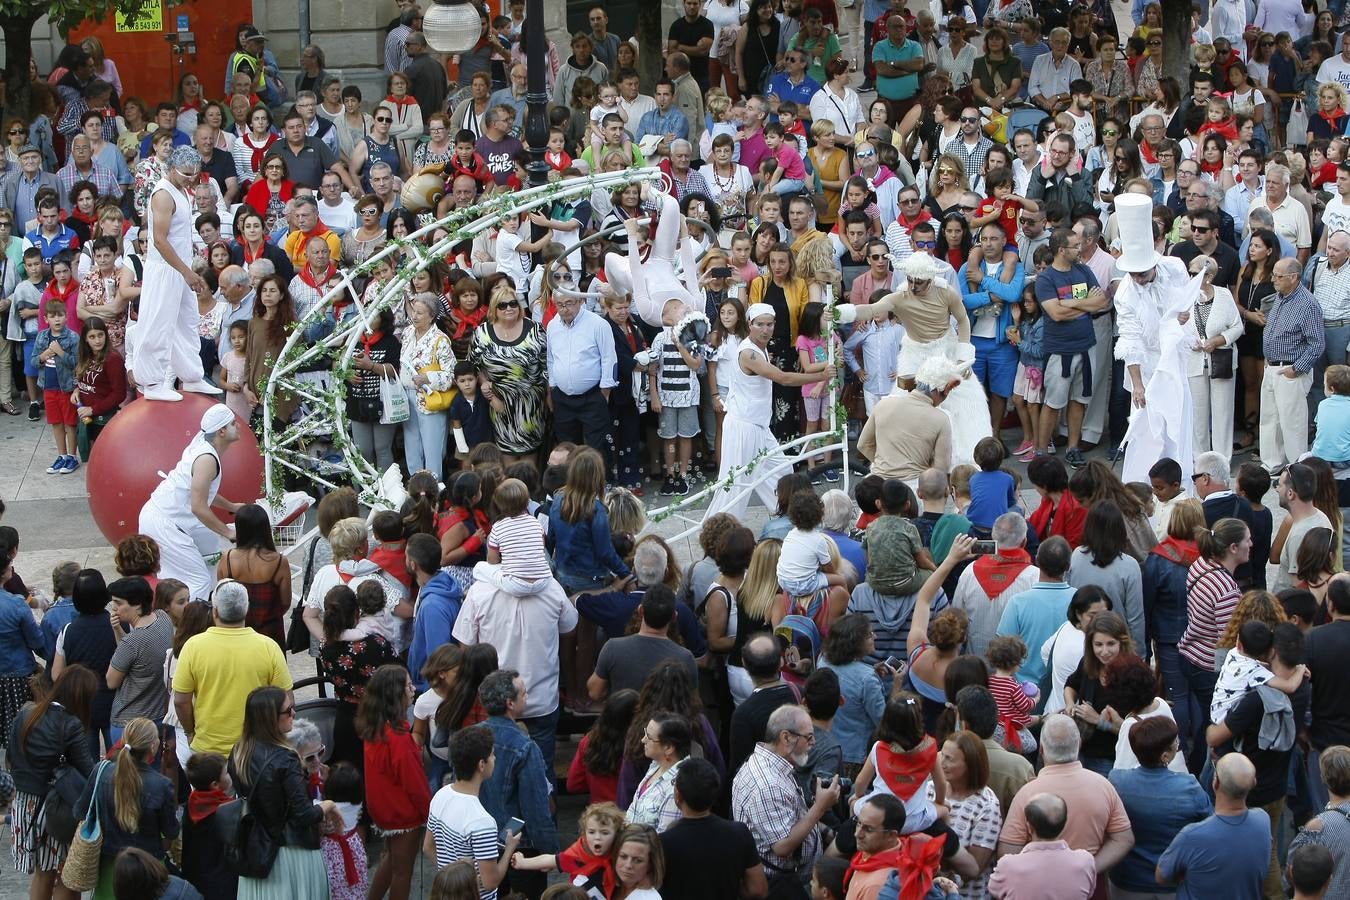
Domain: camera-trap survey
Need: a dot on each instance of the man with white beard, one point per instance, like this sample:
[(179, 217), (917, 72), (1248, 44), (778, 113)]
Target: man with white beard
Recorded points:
[(1152, 304)]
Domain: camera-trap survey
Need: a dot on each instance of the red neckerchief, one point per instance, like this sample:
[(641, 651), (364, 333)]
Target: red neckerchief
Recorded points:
[(1146, 153), (904, 772), (255, 161), (468, 321), (195, 104), (1211, 168), (996, 572), (923, 216), (579, 860), (1178, 551), (78, 216), (249, 255), (916, 859), (370, 340), (1332, 116), (307, 276), (202, 804), (407, 100), (344, 842)]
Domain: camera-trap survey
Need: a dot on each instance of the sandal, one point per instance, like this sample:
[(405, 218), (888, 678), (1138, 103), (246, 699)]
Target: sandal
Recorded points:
[(9, 408)]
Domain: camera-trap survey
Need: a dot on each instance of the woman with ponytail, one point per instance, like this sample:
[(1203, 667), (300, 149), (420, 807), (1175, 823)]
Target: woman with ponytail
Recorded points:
[(136, 804), (1211, 596), (1164, 575)]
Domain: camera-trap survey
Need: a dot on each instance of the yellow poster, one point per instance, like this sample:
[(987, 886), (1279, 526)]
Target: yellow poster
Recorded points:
[(150, 17)]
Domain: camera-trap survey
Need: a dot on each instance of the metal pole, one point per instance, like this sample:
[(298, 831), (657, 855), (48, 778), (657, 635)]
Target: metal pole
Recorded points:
[(303, 11), (536, 95)]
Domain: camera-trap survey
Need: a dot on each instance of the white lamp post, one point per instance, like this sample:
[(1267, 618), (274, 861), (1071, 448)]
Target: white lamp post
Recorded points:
[(452, 27)]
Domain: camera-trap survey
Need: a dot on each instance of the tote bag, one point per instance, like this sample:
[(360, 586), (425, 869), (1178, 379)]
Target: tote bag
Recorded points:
[(393, 402), (81, 870)]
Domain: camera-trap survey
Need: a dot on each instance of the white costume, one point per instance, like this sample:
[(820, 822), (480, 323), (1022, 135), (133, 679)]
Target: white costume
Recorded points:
[(167, 516), (1152, 338), (167, 344), (746, 434)]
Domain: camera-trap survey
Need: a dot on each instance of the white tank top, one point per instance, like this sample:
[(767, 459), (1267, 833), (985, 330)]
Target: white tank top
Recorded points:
[(751, 398), (180, 227), (173, 495)]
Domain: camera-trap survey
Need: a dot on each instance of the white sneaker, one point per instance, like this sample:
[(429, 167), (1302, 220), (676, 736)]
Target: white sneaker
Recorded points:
[(202, 387), (161, 392)]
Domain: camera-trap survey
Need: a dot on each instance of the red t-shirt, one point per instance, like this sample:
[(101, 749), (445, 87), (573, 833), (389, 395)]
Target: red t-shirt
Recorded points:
[(392, 560), (1008, 218)]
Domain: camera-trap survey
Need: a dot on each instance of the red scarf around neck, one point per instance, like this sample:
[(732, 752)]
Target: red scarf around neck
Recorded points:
[(405, 100), (578, 860), (916, 859), (255, 160), (997, 572), (468, 321), (905, 771), (370, 340), (203, 804), (307, 276), (1178, 551)]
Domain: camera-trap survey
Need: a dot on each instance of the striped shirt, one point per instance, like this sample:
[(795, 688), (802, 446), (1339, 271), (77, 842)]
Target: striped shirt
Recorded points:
[(765, 796), (1294, 330), (520, 541), (1331, 287), (462, 829), (676, 383), (1013, 702), (1211, 597)]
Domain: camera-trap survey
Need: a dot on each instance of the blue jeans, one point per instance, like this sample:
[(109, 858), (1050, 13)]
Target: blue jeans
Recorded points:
[(1317, 788), (437, 771), (1201, 684), (577, 583), (1334, 355), (424, 437), (544, 732), (788, 186), (1183, 707)]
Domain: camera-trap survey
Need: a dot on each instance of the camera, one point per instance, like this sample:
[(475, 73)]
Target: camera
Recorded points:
[(845, 783)]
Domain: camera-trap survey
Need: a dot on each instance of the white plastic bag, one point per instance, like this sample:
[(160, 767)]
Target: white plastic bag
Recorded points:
[(393, 402)]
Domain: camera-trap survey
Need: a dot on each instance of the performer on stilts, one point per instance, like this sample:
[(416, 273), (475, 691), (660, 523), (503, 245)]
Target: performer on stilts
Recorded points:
[(166, 340), (178, 514)]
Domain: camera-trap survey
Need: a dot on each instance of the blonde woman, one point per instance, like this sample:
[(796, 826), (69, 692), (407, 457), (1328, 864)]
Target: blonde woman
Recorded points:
[(426, 364), (830, 163), (759, 596), (946, 186), (136, 805)]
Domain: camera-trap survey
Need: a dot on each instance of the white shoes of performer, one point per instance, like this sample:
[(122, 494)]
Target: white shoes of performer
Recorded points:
[(161, 392), (202, 387)]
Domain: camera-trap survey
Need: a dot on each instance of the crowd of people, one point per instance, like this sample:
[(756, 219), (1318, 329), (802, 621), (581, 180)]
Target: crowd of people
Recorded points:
[(1128, 687)]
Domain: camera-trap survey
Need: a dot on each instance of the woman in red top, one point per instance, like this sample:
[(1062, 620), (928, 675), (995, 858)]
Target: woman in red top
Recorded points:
[(1059, 512), (595, 768), (460, 525), (397, 793), (269, 193), (100, 382)]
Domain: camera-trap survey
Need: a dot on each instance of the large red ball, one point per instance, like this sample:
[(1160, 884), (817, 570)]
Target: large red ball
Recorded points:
[(148, 437)]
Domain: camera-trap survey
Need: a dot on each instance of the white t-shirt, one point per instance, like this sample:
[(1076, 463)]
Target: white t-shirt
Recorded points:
[(424, 710), (1067, 644), (341, 217), (1125, 758), (510, 261), (1335, 68), (1336, 216), (1084, 132), (802, 555), (462, 829)]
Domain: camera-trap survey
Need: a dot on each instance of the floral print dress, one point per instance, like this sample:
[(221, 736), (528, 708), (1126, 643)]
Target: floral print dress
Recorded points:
[(348, 665)]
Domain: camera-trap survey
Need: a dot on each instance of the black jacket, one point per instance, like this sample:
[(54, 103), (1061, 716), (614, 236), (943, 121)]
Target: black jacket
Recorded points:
[(276, 788), (59, 736), (158, 820), (622, 395)]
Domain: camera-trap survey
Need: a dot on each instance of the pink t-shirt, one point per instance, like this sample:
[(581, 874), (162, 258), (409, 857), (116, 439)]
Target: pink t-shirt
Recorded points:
[(791, 163)]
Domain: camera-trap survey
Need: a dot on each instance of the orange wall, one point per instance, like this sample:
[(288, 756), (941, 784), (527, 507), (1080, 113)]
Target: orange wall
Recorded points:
[(146, 63)]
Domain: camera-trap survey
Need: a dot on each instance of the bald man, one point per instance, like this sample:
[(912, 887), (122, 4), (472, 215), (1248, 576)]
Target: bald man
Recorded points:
[(1046, 868), (1227, 854), (1293, 342)]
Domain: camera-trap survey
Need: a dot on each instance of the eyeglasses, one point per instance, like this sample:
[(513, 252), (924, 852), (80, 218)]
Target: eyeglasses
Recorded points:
[(910, 200), (1197, 476), (1266, 44), (876, 256), (288, 710), (1201, 229), (515, 304), (370, 212), (13, 131), (867, 154), (860, 828), (384, 118), (1109, 132), (809, 738), (317, 755), (926, 245), (971, 120), (965, 208), (1155, 43)]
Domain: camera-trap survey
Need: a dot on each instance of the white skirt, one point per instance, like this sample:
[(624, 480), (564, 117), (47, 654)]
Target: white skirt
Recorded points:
[(966, 406)]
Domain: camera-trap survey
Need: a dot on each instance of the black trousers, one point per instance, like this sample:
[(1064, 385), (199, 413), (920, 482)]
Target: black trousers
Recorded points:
[(583, 418)]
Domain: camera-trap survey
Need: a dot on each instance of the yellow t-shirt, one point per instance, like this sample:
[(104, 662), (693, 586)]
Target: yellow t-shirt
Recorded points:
[(220, 668)]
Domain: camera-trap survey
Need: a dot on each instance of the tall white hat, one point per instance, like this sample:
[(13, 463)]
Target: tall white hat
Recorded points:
[(1134, 216)]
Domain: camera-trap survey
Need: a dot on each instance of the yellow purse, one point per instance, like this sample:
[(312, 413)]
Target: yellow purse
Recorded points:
[(437, 401)]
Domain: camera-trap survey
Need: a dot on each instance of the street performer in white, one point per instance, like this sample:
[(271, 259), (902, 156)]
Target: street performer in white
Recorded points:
[(1153, 306), (166, 339), (178, 514), (745, 431), (927, 312)]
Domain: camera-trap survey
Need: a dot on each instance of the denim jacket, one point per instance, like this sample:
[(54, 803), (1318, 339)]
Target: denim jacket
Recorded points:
[(22, 636), (519, 786), (65, 363), (860, 713), (1164, 599), (991, 290)]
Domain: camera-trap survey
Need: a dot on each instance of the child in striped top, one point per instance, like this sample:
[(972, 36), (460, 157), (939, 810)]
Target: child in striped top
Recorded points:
[(516, 544), (1015, 699)]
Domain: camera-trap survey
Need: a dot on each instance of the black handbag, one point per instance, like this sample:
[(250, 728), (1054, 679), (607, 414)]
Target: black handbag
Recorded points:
[(250, 851), (298, 637), (59, 805), (1221, 363)]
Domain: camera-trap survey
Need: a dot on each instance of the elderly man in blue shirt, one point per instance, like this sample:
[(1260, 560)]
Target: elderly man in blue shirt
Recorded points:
[(1293, 341), (582, 369)]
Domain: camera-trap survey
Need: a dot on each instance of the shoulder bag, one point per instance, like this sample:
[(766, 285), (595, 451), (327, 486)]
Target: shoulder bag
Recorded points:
[(250, 851), (80, 872), (58, 807)]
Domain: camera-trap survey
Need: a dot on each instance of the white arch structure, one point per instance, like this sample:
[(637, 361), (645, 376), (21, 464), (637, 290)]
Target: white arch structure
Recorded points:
[(283, 449)]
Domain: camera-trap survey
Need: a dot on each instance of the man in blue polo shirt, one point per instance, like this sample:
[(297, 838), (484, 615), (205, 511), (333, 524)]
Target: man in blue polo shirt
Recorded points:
[(1068, 293), (898, 62), (793, 83)]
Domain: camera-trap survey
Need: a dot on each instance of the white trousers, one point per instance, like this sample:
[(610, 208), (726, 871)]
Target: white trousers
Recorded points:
[(179, 555), (166, 330), (742, 441), (1212, 414), (1284, 417)]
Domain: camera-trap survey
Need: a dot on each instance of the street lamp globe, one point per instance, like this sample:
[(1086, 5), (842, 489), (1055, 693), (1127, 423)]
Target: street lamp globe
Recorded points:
[(452, 27)]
